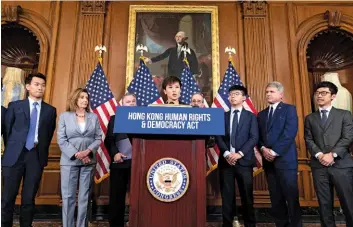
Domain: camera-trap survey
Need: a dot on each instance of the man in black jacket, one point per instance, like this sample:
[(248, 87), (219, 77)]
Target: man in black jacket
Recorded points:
[(120, 151), (176, 56)]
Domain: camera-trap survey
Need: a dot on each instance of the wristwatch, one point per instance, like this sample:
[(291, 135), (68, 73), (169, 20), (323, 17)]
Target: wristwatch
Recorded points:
[(334, 155)]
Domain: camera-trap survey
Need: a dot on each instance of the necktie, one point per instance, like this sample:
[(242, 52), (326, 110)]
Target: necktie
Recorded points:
[(32, 127), (323, 117), (234, 127), (269, 120)]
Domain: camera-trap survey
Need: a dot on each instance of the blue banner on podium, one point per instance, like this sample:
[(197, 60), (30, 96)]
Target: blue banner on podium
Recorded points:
[(169, 120)]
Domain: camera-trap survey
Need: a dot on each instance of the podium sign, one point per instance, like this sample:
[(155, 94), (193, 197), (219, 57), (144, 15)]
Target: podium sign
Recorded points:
[(169, 120)]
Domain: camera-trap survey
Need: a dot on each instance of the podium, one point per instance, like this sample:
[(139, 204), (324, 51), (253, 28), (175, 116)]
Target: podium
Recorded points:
[(168, 177), (190, 209)]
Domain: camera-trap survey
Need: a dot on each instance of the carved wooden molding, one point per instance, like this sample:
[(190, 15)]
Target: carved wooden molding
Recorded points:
[(93, 7), (254, 9), (258, 63), (333, 18), (11, 13), (90, 33)]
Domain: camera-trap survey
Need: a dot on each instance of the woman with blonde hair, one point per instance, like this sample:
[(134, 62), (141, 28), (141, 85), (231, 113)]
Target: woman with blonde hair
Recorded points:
[(79, 136)]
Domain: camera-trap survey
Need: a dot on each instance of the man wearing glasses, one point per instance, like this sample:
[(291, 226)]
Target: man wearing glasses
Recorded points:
[(328, 135), (237, 159)]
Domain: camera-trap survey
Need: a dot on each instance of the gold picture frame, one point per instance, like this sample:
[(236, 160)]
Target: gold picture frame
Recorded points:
[(212, 10)]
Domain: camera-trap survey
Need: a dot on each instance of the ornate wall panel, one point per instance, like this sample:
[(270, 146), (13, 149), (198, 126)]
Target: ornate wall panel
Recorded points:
[(258, 64), (90, 34)]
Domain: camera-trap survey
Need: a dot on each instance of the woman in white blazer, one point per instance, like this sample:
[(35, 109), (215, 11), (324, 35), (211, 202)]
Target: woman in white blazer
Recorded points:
[(79, 136)]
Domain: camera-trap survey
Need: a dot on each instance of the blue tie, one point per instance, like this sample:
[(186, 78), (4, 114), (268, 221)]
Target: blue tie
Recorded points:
[(32, 127), (324, 117), (234, 127)]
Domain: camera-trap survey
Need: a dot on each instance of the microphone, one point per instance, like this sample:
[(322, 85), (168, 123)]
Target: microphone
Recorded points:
[(195, 106), (170, 103)]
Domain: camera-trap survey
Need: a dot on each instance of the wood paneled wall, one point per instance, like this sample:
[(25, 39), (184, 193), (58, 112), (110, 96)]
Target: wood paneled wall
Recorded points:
[(270, 38)]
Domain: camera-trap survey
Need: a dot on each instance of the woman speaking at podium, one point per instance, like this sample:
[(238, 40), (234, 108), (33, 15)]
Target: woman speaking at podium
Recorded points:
[(172, 87)]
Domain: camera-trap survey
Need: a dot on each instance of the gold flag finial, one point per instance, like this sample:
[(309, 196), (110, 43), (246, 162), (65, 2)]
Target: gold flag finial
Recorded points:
[(100, 48), (230, 50)]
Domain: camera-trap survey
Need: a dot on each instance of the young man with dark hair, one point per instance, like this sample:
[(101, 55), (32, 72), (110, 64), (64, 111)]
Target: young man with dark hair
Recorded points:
[(30, 125), (237, 158), (328, 135)]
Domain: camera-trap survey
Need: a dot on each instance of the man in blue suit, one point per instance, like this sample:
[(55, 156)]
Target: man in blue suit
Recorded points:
[(30, 125), (278, 125), (237, 158)]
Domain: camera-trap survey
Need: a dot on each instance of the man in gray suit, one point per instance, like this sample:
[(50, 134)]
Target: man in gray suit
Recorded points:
[(328, 135)]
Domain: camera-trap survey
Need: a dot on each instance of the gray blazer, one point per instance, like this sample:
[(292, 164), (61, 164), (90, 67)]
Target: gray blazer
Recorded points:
[(335, 136), (72, 140)]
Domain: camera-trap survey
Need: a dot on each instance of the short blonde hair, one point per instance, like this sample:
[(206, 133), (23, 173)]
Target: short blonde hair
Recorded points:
[(71, 104)]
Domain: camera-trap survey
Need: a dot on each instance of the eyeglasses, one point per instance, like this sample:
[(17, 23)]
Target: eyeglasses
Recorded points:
[(322, 93), (235, 94)]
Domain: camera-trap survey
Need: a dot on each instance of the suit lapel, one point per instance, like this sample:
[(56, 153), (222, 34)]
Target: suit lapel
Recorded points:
[(88, 119), (42, 113), (73, 114), (241, 120), (265, 116), (26, 109), (277, 113), (227, 120), (317, 117), (330, 118)]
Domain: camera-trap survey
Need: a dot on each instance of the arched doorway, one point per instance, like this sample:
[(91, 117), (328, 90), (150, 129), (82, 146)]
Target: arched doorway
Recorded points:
[(330, 51), (20, 48)]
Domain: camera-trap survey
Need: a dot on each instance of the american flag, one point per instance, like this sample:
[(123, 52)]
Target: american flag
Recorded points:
[(104, 105), (188, 88), (143, 86), (189, 85), (231, 78)]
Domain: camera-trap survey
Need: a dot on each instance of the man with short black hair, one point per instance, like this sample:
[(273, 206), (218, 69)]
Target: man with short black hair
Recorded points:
[(328, 135), (237, 158), (30, 126)]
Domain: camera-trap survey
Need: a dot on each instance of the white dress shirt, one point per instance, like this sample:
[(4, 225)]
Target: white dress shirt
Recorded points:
[(232, 149), (31, 101), (327, 114), (82, 126)]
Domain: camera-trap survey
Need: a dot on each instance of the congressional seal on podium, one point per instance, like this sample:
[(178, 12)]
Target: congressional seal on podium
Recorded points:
[(167, 179)]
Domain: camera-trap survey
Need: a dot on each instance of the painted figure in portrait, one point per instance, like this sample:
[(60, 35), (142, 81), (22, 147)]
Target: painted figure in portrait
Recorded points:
[(165, 34)]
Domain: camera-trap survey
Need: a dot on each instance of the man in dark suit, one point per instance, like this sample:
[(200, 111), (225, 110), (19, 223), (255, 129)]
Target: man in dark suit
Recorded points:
[(278, 125), (176, 56), (237, 158), (328, 135), (120, 150), (30, 125)]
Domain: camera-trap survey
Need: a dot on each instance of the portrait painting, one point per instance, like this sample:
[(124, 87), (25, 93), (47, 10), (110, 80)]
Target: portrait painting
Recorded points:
[(162, 29)]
